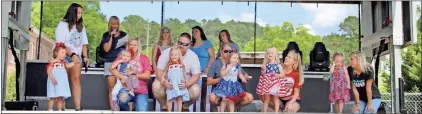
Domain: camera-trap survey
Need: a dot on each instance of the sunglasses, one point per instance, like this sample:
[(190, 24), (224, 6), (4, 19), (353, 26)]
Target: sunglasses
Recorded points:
[(183, 44), (229, 51)]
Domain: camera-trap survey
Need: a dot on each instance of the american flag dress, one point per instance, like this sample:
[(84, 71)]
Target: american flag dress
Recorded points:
[(267, 80)]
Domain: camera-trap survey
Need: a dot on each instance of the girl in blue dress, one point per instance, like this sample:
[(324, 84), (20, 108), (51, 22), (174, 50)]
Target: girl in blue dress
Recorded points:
[(229, 88), (57, 83), (176, 74)]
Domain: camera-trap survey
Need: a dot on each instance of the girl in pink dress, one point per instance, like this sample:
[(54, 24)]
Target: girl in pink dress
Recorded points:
[(340, 82)]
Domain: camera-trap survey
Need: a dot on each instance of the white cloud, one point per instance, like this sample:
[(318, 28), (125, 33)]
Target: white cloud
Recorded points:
[(326, 15), (310, 29), (244, 17)]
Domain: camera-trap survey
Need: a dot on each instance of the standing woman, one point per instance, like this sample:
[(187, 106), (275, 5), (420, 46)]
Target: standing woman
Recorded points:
[(113, 42), (72, 32), (203, 48), (162, 44), (367, 95), (224, 37), (205, 51)]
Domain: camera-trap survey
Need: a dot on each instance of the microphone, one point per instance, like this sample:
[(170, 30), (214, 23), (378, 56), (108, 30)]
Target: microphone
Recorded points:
[(112, 35)]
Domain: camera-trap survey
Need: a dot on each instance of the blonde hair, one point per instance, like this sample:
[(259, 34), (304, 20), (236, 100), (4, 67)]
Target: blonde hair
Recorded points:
[(161, 39), (339, 55), (224, 45), (131, 40), (124, 52), (363, 66), (113, 18), (178, 51), (266, 60), (298, 65)]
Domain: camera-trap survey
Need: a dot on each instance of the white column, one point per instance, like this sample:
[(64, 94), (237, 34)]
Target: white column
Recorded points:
[(5, 8), (22, 79), (396, 52)]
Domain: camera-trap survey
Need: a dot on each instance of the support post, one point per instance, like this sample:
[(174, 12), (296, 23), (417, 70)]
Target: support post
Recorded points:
[(254, 36), (360, 30), (22, 79), (162, 13), (5, 9), (396, 54), (4, 53)]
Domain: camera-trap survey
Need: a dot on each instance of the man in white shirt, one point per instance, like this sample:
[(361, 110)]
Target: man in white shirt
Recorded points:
[(192, 67)]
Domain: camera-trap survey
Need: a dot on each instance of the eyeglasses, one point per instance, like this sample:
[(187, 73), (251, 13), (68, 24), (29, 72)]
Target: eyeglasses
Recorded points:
[(229, 51), (183, 44)]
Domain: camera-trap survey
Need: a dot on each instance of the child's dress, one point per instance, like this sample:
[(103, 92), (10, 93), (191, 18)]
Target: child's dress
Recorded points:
[(338, 86), (62, 88), (229, 87), (132, 81), (268, 80), (175, 75)]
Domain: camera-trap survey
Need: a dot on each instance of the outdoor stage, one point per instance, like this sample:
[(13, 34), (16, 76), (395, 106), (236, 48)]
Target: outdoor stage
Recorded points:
[(94, 90)]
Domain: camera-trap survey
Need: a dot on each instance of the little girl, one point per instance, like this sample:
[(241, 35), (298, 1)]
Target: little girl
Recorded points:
[(340, 82), (129, 81), (269, 81), (229, 89), (176, 74), (57, 82)]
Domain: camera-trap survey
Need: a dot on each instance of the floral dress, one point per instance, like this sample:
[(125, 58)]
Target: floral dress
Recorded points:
[(338, 86)]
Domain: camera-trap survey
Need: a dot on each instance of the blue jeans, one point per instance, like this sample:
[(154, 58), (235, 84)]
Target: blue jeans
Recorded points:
[(140, 101), (68, 59), (375, 104)]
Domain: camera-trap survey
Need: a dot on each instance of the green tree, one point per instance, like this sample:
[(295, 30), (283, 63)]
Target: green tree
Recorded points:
[(279, 36), (347, 42), (53, 12), (384, 79), (411, 67)]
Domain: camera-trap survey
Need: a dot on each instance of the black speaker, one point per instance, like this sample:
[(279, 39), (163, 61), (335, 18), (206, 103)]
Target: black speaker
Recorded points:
[(36, 78), (21, 105)]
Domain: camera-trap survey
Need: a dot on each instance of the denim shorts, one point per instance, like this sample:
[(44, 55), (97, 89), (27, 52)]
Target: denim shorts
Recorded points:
[(107, 66), (68, 59), (285, 102)]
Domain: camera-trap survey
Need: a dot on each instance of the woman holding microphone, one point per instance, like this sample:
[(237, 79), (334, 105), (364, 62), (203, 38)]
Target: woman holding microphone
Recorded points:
[(114, 41)]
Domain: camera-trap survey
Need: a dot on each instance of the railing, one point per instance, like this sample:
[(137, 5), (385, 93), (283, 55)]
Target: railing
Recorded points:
[(413, 103)]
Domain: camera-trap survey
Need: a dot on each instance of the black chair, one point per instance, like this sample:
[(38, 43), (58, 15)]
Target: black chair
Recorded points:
[(98, 59), (319, 58), (291, 46)]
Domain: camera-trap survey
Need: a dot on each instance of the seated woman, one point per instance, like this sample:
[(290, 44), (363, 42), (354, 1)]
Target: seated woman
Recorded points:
[(143, 72), (214, 78)]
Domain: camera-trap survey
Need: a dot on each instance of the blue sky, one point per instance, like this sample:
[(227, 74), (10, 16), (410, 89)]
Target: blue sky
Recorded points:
[(322, 20)]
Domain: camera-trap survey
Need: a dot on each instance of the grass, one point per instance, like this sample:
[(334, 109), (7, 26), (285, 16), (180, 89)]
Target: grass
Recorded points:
[(11, 86)]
